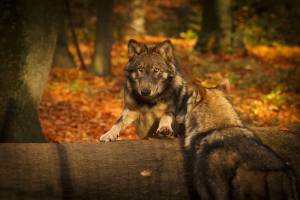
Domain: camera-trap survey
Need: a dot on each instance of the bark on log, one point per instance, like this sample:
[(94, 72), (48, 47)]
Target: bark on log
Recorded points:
[(142, 169), (104, 171)]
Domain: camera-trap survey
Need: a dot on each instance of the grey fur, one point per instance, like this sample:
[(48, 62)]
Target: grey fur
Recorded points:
[(227, 160), (151, 68)]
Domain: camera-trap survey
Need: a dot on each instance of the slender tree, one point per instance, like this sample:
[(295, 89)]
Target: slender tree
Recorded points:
[(62, 56), (137, 24), (73, 34), (28, 33), (216, 30), (103, 43)]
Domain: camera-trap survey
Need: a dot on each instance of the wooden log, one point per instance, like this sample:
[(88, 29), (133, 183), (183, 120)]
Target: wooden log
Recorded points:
[(143, 169), (118, 170)]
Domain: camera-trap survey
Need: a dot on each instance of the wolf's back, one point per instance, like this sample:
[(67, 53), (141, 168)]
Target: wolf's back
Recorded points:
[(231, 165)]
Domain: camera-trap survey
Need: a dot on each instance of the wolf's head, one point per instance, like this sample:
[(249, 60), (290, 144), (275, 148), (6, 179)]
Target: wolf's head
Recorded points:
[(150, 69)]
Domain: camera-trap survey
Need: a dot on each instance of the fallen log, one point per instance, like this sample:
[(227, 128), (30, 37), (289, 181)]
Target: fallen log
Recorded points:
[(143, 169), (119, 170)]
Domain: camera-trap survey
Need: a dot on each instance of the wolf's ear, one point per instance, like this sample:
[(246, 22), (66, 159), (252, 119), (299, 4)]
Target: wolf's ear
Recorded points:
[(166, 50), (224, 85), (135, 48), (200, 93)]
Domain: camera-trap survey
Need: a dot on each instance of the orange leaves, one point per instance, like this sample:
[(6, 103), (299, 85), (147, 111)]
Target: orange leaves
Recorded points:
[(146, 172), (282, 55), (79, 107), (262, 112)]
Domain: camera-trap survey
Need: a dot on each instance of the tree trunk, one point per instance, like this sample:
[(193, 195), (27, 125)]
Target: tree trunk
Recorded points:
[(137, 24), (28, 34), (62, 54), (103, 43), (151, 169), (216, 29)]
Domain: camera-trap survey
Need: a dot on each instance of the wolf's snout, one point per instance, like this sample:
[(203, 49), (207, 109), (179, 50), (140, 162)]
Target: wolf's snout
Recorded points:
[(145, 92)]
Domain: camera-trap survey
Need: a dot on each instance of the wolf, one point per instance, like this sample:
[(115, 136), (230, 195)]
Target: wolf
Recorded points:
[(226, 159), (153, 83)]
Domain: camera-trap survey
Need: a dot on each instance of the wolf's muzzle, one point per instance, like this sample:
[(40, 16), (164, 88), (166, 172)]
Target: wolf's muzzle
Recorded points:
[(145, 92)]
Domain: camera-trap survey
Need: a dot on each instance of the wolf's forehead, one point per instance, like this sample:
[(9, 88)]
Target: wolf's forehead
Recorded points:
[(150, 60)]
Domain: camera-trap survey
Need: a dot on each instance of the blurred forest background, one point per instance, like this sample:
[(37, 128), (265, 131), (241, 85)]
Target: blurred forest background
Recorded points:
[(253, 43)]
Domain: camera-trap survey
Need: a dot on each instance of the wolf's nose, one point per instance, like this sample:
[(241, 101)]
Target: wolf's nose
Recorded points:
[(145, 92)]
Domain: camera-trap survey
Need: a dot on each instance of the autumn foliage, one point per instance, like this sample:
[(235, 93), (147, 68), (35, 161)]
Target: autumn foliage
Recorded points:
[(79, 107)]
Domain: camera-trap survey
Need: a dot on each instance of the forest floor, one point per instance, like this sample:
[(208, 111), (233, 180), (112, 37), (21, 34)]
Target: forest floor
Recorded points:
[(79, 107)]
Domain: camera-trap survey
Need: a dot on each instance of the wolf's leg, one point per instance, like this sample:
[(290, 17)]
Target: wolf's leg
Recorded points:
[(126, 118), (165, 124)]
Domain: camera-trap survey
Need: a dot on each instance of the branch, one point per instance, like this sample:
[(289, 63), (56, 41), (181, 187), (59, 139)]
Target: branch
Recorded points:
[(74, 37)]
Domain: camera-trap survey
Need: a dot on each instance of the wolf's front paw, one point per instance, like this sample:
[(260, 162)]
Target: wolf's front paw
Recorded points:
[(165, 126), (165, 130), (110, 136)]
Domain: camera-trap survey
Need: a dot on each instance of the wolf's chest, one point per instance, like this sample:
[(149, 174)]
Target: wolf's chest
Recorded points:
[(149, 118), (155, 111)]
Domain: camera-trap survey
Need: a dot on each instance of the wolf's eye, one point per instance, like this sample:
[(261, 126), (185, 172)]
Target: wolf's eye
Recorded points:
[(140, 69), (156, 69)]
